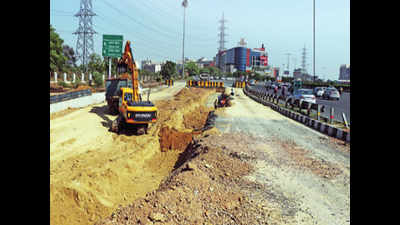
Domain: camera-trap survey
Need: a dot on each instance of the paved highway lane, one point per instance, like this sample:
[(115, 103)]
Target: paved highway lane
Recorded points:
[(343, 105)]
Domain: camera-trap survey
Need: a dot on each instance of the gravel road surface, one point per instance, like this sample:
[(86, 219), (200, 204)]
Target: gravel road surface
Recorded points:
[(304, 174)]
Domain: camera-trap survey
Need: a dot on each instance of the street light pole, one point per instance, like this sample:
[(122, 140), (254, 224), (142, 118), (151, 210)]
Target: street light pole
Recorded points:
[(184, 4), (314, 40)]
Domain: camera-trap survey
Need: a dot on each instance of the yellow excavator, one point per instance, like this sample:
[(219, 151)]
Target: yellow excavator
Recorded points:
[(133, 112)]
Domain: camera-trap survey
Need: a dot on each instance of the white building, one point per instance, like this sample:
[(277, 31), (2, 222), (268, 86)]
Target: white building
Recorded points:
[(344, 72), (150, 66)]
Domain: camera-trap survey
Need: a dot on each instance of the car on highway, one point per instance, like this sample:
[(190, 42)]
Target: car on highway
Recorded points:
[(319, 91), (204, 76), (331, 93), (305, 95)]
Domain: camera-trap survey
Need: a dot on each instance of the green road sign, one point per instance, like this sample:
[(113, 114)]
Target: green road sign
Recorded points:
[(112, 45)]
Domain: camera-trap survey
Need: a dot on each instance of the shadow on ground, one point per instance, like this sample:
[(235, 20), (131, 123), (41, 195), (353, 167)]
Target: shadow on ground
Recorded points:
[(102, 111)]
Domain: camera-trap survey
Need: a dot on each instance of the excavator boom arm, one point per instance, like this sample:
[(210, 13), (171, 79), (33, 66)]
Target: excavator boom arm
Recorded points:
[(129, 61)]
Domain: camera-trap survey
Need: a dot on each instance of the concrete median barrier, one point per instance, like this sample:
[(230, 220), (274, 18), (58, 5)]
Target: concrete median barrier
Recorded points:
[(316, 124)]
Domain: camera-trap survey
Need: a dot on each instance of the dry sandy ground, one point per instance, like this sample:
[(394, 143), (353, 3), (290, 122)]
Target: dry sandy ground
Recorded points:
[(258, 167), (255, 167), (93, 170)]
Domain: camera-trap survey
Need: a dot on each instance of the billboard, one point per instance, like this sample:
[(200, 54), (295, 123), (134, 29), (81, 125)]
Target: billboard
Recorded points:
[(264, 60)]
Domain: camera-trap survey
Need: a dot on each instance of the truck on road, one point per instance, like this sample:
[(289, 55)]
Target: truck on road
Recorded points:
[(113, 92)]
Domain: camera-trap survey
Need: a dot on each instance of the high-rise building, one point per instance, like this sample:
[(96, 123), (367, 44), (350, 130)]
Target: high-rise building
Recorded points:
[(344, 72), (242, 59)]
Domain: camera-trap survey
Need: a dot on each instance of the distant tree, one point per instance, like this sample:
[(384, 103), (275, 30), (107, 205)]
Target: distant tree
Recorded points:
[(214, 70), (192, 68), (98, 79), (205, 70), (168, 70), (70, 54), (96, 64), (57, 58)]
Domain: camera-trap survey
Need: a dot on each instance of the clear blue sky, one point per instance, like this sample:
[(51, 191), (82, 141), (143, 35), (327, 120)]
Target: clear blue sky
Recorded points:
[(155, 27)]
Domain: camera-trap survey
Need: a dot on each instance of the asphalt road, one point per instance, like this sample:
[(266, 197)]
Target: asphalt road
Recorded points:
[(341, 106)]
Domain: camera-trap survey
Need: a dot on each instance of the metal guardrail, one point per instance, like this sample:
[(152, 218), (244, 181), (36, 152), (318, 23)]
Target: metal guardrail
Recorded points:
[(290, 102), (69, 96), (204, 84)]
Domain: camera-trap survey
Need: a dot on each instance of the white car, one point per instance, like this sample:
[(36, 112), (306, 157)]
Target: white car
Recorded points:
[(319, 91), (305, 95)]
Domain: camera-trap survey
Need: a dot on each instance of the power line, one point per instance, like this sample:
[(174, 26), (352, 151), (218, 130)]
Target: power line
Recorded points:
[(140, 23), (149, 45)]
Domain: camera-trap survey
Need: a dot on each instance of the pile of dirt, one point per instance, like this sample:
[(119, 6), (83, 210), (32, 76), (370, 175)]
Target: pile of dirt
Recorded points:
[(202, 190), (197, 118), (171, 139), (180, 118)]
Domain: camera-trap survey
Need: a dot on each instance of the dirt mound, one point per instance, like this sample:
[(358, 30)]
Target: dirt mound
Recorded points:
[(197, 118), (171, 139), (202, 190)]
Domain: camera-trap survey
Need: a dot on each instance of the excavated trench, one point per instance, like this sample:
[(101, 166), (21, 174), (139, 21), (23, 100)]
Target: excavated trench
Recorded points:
[(89, 186)]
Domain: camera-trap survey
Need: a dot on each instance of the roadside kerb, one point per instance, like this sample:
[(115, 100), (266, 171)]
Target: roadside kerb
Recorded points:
[(310, 122)]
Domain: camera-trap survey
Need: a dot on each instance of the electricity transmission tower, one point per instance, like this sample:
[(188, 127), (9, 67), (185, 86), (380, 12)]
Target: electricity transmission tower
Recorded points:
[(221, 42), (85, 31), (222, 34)]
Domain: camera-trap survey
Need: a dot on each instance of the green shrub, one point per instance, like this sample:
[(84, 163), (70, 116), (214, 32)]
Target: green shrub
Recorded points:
[(98, 79), (63, 84)]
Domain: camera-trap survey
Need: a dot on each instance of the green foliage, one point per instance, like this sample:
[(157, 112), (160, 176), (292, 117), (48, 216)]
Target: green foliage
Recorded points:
[(205, 70), (287, 79), (98, 79), (96, 64), (238, 73), (228, 74), (64, 84), (77, 82), (258, 76), (192, 68), (57, 57), (214, 70), (168, 70)]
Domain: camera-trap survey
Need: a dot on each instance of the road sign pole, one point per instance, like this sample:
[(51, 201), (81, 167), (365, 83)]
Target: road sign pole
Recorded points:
[(109, 67)]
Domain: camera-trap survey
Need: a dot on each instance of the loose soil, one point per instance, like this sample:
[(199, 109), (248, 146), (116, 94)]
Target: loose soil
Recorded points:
[(94, 171), (202, 190)]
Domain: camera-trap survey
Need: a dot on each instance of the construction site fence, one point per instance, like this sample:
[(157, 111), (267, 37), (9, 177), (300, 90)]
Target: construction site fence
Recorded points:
[(82, 77), (169, 82), (204, 84), (240, 84), (69, 96)]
